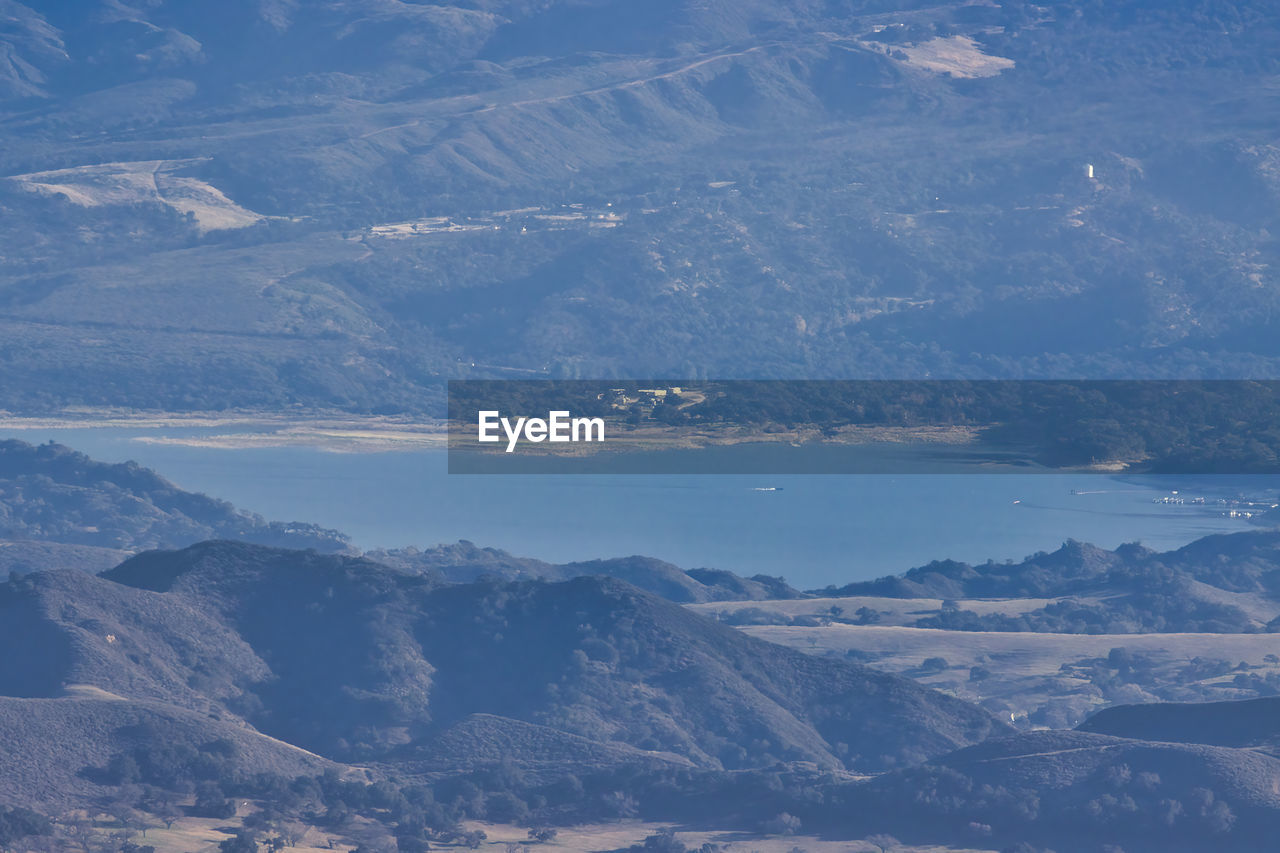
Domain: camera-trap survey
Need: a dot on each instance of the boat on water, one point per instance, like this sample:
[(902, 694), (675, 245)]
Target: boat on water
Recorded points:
[(766, 488)]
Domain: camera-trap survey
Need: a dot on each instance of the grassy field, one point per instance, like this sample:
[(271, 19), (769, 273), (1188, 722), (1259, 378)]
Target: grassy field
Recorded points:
[(1042, 679), (623, 834), (893, 611), (202, 835)]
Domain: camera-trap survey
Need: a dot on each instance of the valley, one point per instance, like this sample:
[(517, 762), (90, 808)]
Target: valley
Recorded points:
[(246, 248)]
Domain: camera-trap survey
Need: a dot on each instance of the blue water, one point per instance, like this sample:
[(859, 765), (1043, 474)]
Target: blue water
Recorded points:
[(816, 530)]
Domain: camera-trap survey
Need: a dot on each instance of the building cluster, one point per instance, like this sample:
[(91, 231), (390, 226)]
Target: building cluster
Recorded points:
[(624, 399)]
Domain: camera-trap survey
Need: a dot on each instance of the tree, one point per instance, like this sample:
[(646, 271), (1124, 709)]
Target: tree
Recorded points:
[(883, 842), (542, 834), (19, 823), (211, 802), (662, 841), (620, 804), (162, 804), (783, 824), (292, 831), (505, 807), (123, 770), (241, 842)]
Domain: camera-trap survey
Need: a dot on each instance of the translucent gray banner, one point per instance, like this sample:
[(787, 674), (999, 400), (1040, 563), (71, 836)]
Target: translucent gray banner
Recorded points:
[(856, 427)]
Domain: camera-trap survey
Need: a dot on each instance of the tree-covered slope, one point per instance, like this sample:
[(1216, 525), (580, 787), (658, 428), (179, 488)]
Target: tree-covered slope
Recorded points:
[(51, 493), (353, 660), (341, 207), (1224, 583)]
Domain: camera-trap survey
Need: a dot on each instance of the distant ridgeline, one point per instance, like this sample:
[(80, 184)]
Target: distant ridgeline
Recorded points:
[(419, 706), (59, 509), (53, 494), (1212, 427), (1226, 583)]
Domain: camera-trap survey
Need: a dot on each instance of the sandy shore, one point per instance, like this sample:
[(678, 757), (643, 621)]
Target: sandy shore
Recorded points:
[(340, 432)]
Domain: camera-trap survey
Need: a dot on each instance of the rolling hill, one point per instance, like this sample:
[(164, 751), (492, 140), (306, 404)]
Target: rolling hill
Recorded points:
[(1090, 790), (574, 699), (53, 494), (355, 661), (464, 562), (261, 208), (1226, 583), (1251, 722)]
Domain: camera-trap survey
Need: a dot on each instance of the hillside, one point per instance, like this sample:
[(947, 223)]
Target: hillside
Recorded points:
[(464, 562), (52, 494), (230, 668), (1228, 583), (1085, 791), (568, 655), (716, 688), (1055, 638), (47, 745), (339, 209), (356, 661), (62, 509), (1247, 723), (26, 556)]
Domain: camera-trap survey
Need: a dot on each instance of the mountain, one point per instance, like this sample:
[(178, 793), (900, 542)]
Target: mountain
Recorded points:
[(483, 740), (355, 661), (52, 494), (1247, 723), (50, 746), (464, 562), (234, 667), (61, 509), (1083, 791), (342, 204), (1225, 583), (585, 655), (26, 556)]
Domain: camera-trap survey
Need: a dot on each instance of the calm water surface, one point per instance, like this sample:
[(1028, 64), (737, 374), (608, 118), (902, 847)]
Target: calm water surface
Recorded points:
[(814, 530)]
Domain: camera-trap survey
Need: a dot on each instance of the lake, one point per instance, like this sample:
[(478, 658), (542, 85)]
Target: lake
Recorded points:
[(813, 529)]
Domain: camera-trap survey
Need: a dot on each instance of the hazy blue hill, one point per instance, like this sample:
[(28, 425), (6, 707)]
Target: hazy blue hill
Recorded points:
[(1247, 563), (221, 663), (1252, 722), (344, 672), (352, 659), (1080, 791), (574, 656), (76, 628), (1209, 585), (765, 189), (54, 494), (1061, 761), (61, 509), (465, 562), (26, 556), (484, 740), (46, 745), (1075, 567), (566, 693)]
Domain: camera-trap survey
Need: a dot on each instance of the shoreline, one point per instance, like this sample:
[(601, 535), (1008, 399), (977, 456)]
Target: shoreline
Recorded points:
[(341, 432), (331, 431), (345, 433)]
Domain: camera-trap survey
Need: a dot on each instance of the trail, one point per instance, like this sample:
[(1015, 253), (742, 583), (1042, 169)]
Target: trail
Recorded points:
[(613, 87)]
